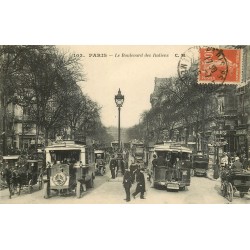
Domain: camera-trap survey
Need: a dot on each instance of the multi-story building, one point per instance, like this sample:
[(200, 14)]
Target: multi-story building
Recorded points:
[(231, 124), (243, 106), (20, 131), (155, 97)]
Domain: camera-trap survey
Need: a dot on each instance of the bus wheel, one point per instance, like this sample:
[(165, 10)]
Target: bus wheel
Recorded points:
[(152, 184), (78, 189), (46, 190), (91, 183)]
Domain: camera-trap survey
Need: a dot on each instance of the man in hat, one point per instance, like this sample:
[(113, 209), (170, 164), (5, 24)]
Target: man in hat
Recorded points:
[(112, 166), (133, 169), (237, 165), (154, 161), (245, 162), (127, 183), (154, 165), (140, 188)]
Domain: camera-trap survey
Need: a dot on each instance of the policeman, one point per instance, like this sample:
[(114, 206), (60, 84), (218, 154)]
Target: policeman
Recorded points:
[(127, 183)]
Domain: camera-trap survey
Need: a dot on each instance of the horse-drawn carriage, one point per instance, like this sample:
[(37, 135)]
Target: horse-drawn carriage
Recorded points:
[(233, 181), (20, 173)]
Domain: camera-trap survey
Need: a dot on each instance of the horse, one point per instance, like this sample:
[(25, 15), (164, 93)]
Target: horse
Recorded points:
[(13, 180)]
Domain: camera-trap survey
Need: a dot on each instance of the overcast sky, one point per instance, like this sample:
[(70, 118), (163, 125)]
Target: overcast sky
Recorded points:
[(133, 75)]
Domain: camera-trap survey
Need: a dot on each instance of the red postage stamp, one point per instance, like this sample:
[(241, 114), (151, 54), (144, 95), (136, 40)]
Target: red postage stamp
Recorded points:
[(220, 66)]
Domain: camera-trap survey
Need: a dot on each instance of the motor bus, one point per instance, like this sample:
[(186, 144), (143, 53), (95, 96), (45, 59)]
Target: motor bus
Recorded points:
[(70, 168), (173, 170)]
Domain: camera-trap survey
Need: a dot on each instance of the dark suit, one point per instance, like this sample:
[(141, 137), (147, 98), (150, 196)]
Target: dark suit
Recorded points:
[(161, 161), (140, 188), (133, 168), (154, 163), (127, 183), (237, 166), (112, 166)]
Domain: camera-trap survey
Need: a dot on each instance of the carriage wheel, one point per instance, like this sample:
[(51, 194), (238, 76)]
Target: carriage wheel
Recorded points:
[(30, 187), (152, 184), (223, 189), (84, 187), (192, 172), (91, 183), (40, 182), (11, 190), (46, 190), (242, 194), (229, 192), (78, 189), (101, 171), (18, 190)]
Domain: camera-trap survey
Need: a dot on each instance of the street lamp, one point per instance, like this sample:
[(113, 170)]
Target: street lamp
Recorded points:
[(119, 99)]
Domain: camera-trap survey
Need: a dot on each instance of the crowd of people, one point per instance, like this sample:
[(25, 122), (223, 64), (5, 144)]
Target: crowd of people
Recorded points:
[(234, 162)]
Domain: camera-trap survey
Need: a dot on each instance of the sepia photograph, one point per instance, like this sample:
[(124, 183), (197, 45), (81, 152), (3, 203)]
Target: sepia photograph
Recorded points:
[(125, 124)]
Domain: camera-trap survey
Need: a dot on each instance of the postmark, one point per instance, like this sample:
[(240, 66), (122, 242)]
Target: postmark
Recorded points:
[(212, 66), (208, 67), (188, 65)]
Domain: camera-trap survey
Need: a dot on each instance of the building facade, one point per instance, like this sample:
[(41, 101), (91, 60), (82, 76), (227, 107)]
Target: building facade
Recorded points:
[(228, 130)]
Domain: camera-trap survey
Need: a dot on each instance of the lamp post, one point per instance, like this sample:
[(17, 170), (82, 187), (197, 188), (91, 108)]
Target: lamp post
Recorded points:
[(119, 99)]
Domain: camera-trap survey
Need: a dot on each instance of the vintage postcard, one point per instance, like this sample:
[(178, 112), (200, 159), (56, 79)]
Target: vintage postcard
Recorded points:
[(125, 124)]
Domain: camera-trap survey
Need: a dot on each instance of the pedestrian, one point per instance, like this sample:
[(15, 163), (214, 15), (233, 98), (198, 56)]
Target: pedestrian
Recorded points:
[(154, 165), (161, 161), (237, 165), (154, 162), (133, 167), (245, 163), (127, 183), (140, 188), (224, 161), (137, 171), (177, 168), (112, 166)]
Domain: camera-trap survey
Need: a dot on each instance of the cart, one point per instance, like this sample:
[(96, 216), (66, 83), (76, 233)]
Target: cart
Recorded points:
[(233, 181)]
